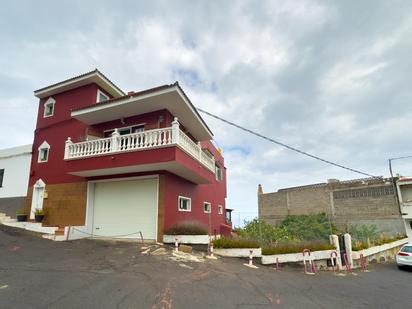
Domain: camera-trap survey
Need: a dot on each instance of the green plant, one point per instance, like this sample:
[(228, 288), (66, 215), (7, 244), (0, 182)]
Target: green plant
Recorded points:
[(365, 233), (296, 247), (39, 212), (188, 228), (20, 212), (309, 227), (261, 231), (226, 243)]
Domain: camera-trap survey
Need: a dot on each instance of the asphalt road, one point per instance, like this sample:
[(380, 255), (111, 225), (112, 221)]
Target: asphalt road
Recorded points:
[(38, 273)]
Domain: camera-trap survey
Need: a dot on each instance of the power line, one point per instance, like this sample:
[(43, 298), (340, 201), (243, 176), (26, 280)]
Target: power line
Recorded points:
[(285, 145)]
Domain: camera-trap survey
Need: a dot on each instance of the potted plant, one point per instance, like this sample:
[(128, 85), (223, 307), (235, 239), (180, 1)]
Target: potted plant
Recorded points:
[(38, 215), (21, 215)]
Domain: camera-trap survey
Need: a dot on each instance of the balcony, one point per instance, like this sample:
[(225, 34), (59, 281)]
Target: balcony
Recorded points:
[(141, 141)]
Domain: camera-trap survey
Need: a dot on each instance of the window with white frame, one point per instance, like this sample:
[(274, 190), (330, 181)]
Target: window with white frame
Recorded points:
[(1, 177), (101, 96), (44, 150), (49, 108), (207, 207), (218, 173), (184, 203), (220, 209)]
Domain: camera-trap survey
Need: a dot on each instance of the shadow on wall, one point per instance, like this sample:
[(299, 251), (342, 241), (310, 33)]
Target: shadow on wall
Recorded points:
[(9, 205)]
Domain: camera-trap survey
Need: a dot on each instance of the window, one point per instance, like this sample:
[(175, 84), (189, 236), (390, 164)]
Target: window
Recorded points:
[(228, 216), (207, 207), (43, 152), (220, 209), (184, 203), (101, 97), (49, 108), (218, 172), (1, 177)]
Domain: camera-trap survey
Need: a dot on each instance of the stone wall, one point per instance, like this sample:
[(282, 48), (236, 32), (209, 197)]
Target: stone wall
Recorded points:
[(346, 203), (65, 204)]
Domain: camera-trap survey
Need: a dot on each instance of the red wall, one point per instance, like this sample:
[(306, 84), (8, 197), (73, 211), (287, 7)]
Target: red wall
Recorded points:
[(57, 128)]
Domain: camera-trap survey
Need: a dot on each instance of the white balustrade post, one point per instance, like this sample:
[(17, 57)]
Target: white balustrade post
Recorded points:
[(67, 147), (200, 151), (115, 141), (175, 131)]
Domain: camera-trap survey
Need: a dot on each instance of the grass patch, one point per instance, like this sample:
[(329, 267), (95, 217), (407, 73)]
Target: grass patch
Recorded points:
[(357, 245), (227, 243), (189, 228), (284, 248)]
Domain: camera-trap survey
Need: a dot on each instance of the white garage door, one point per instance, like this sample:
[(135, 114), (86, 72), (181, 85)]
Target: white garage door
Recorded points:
[(125, 207)]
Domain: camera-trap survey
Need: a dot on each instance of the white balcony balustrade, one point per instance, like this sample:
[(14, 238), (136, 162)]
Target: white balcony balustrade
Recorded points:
[(157, 138)]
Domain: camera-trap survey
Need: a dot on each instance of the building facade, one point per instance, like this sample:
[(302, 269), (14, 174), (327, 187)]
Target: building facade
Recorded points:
[(14, 177), (114, 164), (404, 186), (347, 203)]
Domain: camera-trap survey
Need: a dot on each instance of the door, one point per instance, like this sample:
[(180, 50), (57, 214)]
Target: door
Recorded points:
[(37, 198), (124, 208)]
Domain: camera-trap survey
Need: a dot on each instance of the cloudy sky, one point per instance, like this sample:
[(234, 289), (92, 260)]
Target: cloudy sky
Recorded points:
[(329, 77)]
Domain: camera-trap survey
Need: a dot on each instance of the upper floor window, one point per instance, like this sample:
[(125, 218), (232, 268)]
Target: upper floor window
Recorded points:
[(43, 152), (218, 173), (49, 108), (220, 209), (184, 203), (101, 96), (207, 207), (1, 177)]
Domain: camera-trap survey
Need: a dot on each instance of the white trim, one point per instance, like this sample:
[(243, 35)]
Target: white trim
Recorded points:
[(50, 101), (98, 107), (110, 85), (219, 209), (99, 92), (185, 198), (43, 146), (210, 207)]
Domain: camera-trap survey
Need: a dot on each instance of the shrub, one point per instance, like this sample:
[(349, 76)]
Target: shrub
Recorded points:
[(20, 212), (365, 233), (226, 243), (264, 232), (309, 227), (296, 247), (188, 228), (39, 212)]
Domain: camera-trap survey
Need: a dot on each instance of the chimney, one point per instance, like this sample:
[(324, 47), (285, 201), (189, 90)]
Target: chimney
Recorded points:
[(260, 190)]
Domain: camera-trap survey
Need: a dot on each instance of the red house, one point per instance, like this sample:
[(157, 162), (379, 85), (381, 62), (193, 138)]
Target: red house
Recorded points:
[(115, 164)]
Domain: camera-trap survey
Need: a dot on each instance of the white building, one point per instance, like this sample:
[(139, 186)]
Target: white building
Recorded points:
[(404, 186), (14, 171)]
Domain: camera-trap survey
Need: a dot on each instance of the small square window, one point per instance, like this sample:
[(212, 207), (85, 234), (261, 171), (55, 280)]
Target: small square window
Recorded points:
[(218, 173), (44, 155), (184, 203), (49, 108), (220, 209), (207, 207)]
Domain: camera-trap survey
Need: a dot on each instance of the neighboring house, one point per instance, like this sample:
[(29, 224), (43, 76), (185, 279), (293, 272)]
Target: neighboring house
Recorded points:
[(117, 164), (404, 186), (347, 203), (14, 178)]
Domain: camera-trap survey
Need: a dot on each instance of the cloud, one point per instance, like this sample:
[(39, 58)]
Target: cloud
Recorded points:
[(328, 77)]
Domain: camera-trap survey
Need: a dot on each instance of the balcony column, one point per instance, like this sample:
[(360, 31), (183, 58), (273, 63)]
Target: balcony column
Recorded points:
[(115, 141), (67, 145), (175, 131)]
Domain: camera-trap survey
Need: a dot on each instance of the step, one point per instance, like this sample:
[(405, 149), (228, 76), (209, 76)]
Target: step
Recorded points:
[(31, 226)]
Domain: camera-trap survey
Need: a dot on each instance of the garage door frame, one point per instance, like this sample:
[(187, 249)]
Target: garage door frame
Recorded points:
[(90, 201)]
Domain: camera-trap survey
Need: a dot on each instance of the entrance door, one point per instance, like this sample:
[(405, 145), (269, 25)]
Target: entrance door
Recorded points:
[(37, 198), (124, 208)]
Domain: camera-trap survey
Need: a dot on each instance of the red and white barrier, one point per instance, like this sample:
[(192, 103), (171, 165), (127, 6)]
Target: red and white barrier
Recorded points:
[(250, 257), (211, 253), (347, 263), (176, 244), (363, 263), (277, 265), (308, 263), (333, 258)]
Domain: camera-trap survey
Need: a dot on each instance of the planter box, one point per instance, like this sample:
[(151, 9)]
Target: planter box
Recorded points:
[(188, 239), (238, 252), (378, 249), (295, 257)]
